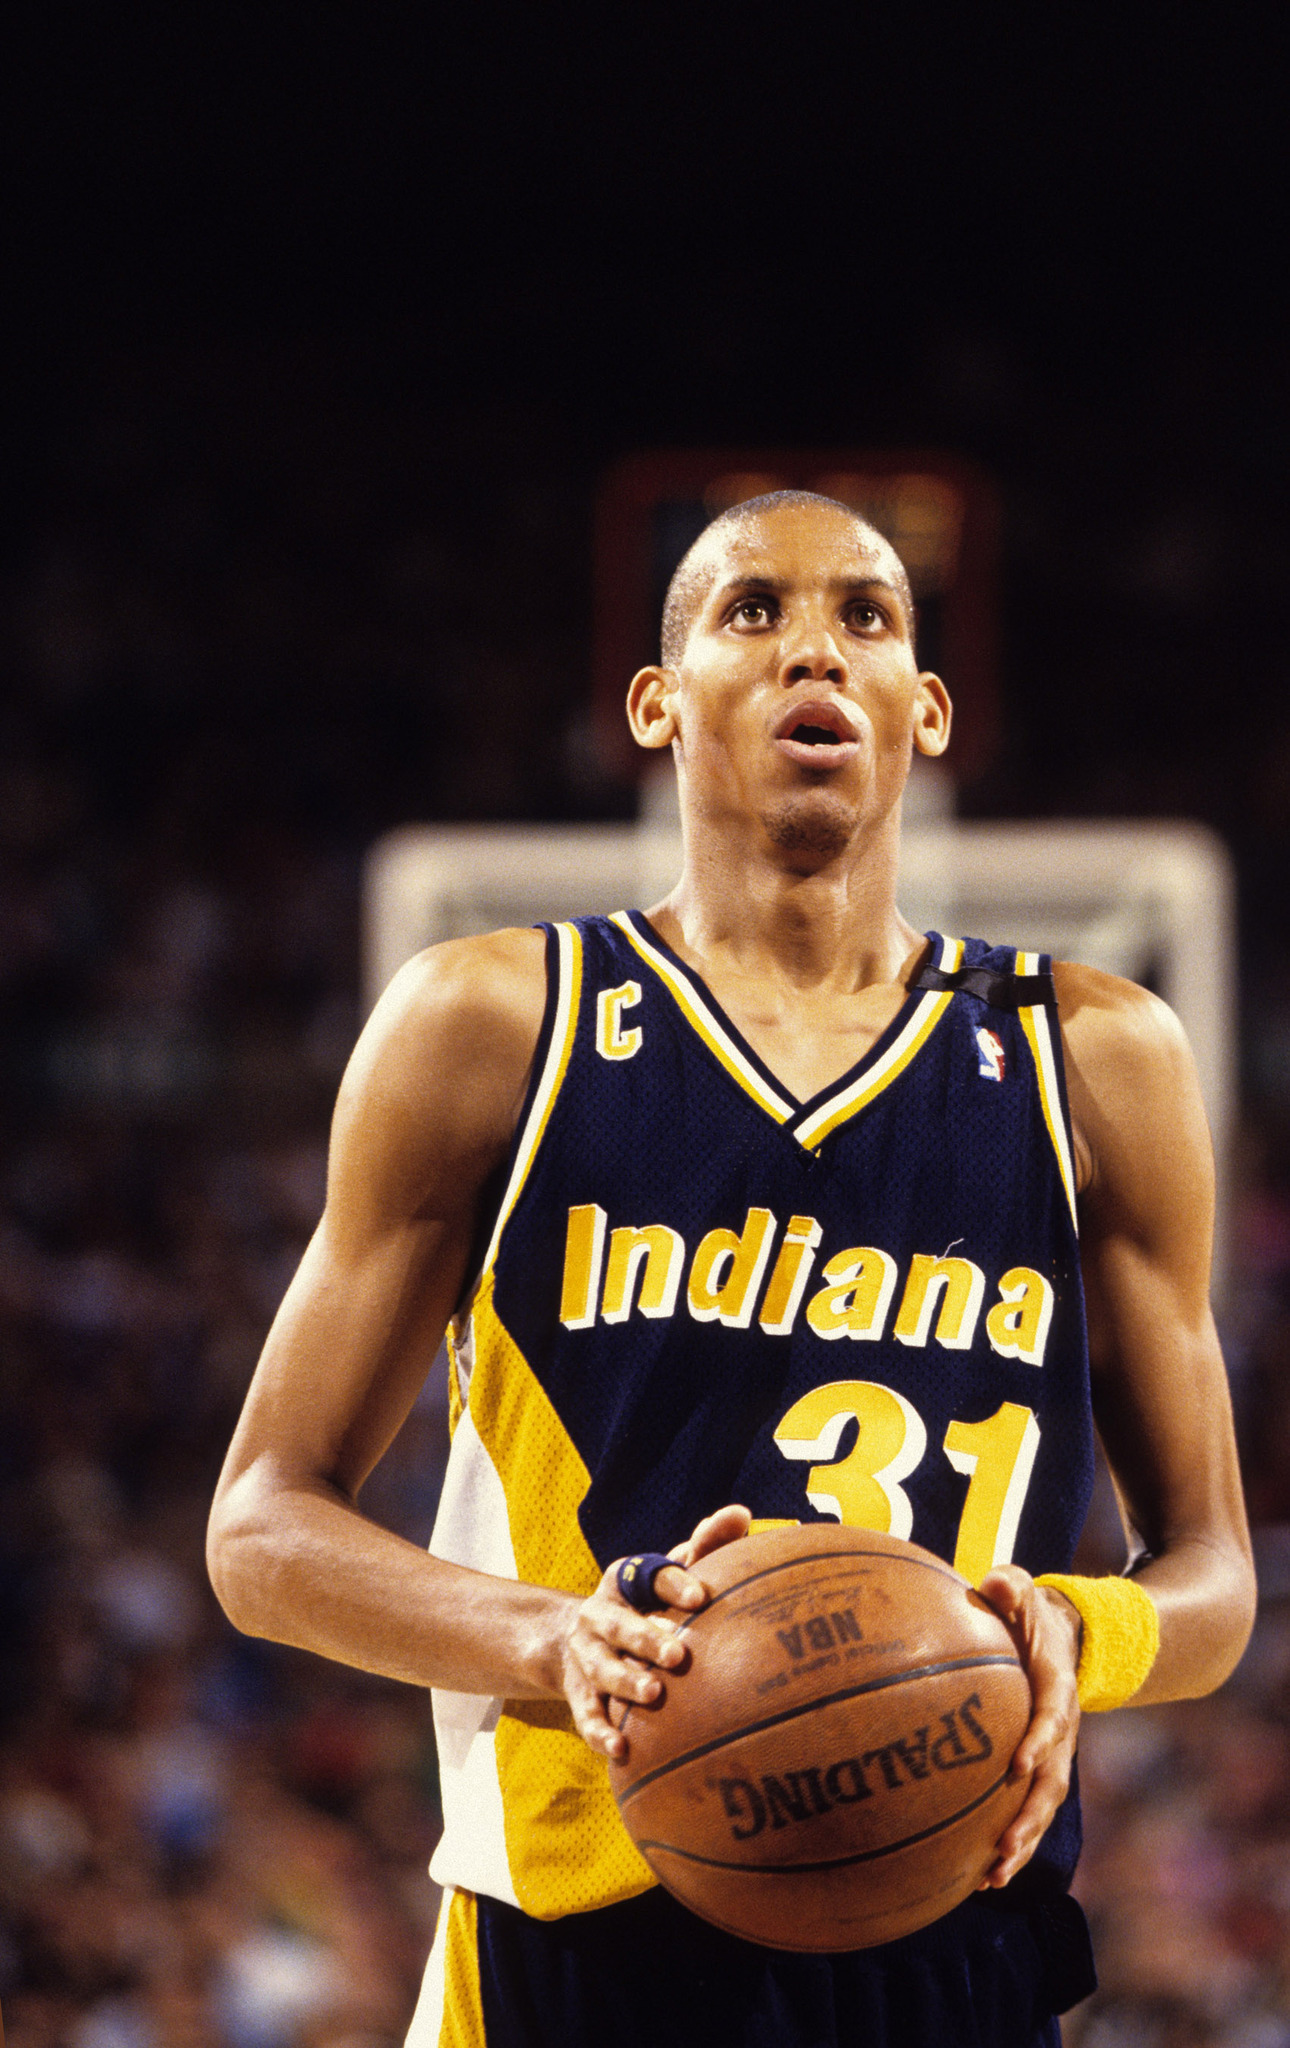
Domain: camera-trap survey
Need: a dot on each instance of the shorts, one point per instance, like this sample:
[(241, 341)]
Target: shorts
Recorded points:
[(647, 1971)]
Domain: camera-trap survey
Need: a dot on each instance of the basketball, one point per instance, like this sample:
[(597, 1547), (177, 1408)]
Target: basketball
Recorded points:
[(830, 1768)]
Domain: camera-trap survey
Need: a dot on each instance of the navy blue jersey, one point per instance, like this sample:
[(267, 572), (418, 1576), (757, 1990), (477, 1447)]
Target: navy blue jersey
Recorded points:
[(865, 1307)]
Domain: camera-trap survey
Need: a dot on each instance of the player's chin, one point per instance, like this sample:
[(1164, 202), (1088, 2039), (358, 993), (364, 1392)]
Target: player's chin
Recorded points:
[(816, 824)]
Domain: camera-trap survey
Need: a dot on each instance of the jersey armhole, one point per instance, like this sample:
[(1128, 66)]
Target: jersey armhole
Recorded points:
[(550, 1062), (1041, 1023)]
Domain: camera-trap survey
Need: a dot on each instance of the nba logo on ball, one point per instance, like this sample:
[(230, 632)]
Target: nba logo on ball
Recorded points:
[(990, 1046)]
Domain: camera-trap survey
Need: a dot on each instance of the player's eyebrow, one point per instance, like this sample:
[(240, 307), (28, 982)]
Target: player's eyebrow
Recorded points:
[(739, 586)]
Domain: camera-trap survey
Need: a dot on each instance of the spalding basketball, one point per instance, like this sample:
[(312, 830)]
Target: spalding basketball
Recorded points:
[(830, 1768)]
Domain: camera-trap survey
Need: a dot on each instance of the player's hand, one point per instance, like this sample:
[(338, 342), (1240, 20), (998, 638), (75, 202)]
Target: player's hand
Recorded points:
[(1047, 1632), (612, 1653)]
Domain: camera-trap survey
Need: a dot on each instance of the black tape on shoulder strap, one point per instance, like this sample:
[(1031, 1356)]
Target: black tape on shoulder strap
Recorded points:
[(1000, 991)]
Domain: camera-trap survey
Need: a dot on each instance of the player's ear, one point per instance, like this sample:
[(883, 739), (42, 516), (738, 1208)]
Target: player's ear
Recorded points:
[(933, 714), (650, 712)]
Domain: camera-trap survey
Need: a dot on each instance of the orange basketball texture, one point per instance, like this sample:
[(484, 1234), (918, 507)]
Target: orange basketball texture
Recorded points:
[(830, 1769)]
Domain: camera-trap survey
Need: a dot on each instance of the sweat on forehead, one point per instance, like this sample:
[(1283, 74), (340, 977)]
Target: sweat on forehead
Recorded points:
[(697, 569)]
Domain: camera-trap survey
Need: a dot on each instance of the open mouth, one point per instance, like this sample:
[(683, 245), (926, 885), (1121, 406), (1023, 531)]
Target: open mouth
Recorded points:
[(819, 732), (813, 736)]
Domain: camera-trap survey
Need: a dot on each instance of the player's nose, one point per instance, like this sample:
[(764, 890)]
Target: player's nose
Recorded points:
[(812, 654)]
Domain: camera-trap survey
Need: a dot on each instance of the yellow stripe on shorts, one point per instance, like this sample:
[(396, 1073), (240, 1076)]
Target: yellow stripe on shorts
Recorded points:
[(450, 2009)]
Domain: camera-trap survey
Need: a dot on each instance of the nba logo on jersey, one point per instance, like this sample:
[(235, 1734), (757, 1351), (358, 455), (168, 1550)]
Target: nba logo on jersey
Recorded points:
[(990, 1046)]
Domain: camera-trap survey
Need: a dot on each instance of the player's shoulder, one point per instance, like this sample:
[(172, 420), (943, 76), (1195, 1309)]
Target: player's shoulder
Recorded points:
[(473, 992), (495, 980), (454, 1034), (1105, 1017), (1130, 1077)]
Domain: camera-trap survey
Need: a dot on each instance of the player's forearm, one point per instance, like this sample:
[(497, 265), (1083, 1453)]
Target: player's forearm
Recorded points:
[(1204, 1594), (299, 1564)]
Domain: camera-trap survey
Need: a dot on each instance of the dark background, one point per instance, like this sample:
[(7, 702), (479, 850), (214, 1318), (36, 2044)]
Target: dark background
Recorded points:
[(321, 327)]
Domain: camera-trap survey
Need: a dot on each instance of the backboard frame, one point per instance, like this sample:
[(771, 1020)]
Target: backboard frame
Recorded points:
[(1154, 901)]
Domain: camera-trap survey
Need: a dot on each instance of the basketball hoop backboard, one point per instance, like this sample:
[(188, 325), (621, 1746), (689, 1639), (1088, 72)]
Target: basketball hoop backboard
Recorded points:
[(1154, 902)]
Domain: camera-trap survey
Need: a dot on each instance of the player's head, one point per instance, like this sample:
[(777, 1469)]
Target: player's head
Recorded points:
[(789, 689), (696, 571)]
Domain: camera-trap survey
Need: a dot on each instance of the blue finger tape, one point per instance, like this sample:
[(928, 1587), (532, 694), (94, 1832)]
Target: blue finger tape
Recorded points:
[(636, 1576)]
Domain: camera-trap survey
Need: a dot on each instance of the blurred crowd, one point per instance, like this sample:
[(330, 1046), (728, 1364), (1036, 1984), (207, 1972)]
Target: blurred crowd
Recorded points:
[(250, 632), (1186, 1868), (203, 1839)]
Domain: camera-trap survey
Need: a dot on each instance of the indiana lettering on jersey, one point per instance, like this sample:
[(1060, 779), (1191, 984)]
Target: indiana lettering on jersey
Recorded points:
[(759, 1272)]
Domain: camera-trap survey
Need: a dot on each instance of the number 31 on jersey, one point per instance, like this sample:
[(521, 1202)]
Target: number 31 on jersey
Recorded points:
[(864, 1489)]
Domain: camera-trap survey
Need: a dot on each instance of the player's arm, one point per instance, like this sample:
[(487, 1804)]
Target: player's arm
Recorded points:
[(423, 1126), (1160, 1391)]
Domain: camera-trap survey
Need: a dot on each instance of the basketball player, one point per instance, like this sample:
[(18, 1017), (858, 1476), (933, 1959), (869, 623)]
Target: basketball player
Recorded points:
[(760, 1198)]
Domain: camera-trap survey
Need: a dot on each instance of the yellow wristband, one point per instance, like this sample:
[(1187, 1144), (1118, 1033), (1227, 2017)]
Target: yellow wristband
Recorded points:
[(1120, 1640)]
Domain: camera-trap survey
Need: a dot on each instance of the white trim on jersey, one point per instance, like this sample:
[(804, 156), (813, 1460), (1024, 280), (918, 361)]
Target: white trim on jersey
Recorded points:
[(813, 1129), (472, 1528), (557, 1058), (708, 1026)]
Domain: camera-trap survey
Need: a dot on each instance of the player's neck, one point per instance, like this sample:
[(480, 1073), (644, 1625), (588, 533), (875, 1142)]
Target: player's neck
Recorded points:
[(775, 912)]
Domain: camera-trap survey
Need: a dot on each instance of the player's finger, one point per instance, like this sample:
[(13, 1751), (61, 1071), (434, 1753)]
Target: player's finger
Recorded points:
[(619, 1678), (594, 1675), (1006, 1588), (652, 1638), (1050, 1651), (648, 1582), (726, 1525), (1022, 1837), (1048, 1741), (590, 1718), (676, 1587)]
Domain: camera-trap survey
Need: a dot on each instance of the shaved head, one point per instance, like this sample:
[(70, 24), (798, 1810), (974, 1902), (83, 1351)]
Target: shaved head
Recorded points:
[(697, 569)]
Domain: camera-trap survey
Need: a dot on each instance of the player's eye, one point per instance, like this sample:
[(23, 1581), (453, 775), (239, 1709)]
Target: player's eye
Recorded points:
[(864, 615), (754, 611)]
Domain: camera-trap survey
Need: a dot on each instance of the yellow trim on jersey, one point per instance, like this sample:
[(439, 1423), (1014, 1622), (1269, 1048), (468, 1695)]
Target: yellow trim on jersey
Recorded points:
[(710, 1030), (840, 1108), (456, 1397), (569, 976), (566, 1847), (1035, 1024), (462, 2025)]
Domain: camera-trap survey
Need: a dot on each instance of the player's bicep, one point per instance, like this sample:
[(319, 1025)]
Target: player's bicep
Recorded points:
[(349, 1349), (1159, 1384), (1160, 1397), (1147, 1208)]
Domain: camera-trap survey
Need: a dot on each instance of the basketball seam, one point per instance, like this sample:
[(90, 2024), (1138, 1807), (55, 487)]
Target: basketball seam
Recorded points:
[(832, 1862), (810, 1706), (825, 1557)]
